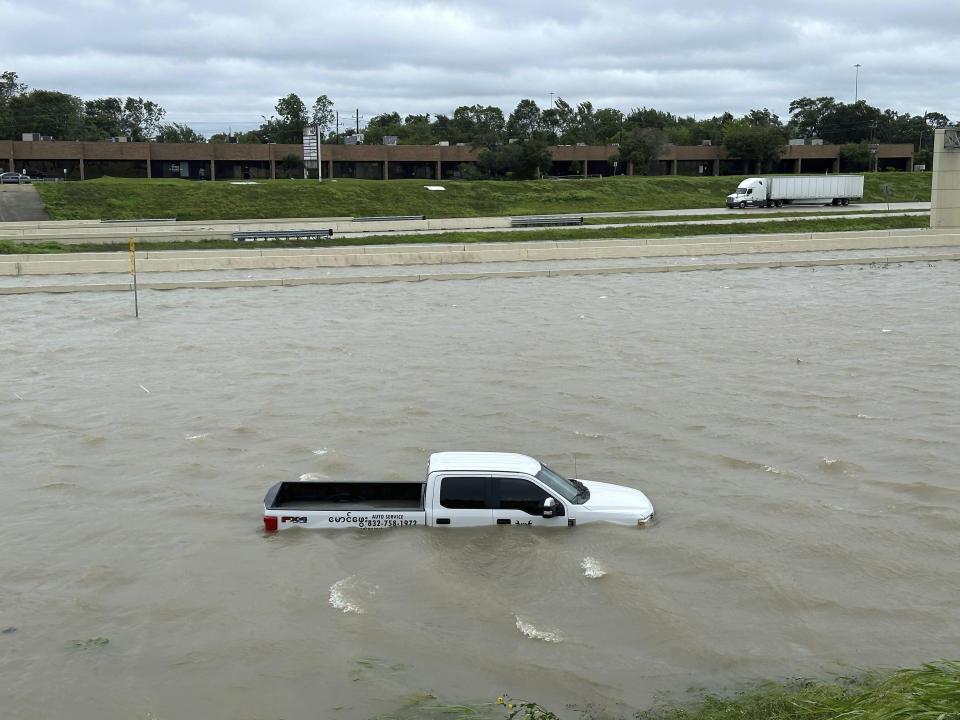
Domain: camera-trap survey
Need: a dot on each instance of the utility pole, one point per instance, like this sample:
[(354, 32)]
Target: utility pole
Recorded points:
[(856, 85)]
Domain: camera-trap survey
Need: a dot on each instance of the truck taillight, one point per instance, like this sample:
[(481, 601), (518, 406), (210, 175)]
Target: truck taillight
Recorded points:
[(269, 523)]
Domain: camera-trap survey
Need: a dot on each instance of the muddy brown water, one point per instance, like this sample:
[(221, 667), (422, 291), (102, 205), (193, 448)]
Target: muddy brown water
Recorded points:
[(796, 429)]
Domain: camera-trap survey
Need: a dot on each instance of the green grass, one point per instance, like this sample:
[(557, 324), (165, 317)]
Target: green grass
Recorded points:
[(117, 199), (640, 219), (8, 247), (931, 692)]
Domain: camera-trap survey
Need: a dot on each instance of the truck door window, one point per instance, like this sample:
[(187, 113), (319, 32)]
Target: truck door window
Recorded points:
[(464, 492), (520, 494)]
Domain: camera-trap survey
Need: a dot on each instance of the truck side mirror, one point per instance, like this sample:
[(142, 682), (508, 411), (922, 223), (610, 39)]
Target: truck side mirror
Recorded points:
[(549, 505)]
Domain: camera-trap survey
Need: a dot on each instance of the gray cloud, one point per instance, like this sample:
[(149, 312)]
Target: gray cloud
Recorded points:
[(220, 63)]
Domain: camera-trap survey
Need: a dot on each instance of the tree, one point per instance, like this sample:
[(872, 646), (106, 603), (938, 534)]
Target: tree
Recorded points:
[(750, 140), (10, 87), (322, 114), (478, 125), (609, 124), (250, 137), (417, 130), (290, 164), (855, 157), (47, 112), (641, 146), (103, 118), (141, 118), (179, 133), (521, 160), (288, 127), (524, 121), (807, 115), (380, 125)]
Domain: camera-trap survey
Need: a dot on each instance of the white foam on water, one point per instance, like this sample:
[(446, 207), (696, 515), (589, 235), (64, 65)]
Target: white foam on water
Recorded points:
[(531, 632), (341, 591), (592, 568), (197, 436), (310, 476), (321, 451)]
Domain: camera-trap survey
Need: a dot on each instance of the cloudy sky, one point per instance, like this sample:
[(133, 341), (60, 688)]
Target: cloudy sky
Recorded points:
[(222, 64)]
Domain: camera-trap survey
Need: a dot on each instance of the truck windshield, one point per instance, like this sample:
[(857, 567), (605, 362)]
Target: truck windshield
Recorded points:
[(558, 483)]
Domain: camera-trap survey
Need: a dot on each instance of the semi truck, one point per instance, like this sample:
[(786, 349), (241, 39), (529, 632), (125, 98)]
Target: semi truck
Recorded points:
[(779, 190), (461, 489)]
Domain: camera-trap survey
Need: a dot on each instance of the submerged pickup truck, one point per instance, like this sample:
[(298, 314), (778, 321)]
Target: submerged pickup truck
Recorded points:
[(462, 489)]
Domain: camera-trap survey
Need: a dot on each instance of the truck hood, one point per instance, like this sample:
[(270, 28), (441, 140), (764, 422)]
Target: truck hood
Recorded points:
[(607, 498)]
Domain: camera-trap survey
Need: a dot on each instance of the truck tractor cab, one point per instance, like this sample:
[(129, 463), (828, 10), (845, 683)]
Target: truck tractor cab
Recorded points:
[(752, 192)]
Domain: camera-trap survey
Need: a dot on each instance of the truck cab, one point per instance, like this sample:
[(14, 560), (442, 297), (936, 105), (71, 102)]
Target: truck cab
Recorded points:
[(752, 192), (514, 489)]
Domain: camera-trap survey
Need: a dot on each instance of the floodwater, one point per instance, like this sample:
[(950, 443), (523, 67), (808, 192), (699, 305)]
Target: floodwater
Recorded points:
[(797, 430)]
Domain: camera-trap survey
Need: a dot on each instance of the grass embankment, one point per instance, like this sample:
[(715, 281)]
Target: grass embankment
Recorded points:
[(931, 692), (892, 222), (118, 199)]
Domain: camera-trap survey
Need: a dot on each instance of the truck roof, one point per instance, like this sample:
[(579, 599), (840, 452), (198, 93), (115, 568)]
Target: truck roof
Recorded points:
[(483, 461)]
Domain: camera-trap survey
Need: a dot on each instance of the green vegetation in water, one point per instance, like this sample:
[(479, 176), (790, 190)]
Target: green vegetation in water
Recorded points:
[(90, 643), (123, 198), (800, 225), (931, 692)]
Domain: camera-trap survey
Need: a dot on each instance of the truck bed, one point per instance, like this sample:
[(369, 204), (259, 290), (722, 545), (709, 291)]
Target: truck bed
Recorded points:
[(311, 495)]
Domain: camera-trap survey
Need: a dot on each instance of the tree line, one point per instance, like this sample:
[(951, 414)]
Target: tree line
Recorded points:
[(512, 145)]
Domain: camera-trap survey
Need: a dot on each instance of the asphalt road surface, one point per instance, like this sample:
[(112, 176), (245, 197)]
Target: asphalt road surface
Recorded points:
[(20, 203)]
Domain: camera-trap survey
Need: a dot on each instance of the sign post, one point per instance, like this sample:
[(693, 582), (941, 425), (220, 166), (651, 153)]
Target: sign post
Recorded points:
[(311, 150), (133, 271)]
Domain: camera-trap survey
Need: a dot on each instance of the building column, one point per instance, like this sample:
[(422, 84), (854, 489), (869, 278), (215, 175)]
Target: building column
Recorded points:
[(83, 175), (630, 167), (213, 169), (585, 163), (716, 167), (673, 167), (386, 169), (149, 160), (329, 168), (438, 171), (797, 164), (836, 165), (910, 164)]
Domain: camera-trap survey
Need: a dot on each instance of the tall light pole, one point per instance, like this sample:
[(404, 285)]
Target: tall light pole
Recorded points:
[(551, 99), (856, 85)]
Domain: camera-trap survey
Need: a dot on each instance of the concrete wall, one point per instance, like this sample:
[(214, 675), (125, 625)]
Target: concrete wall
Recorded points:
[(945, 193)]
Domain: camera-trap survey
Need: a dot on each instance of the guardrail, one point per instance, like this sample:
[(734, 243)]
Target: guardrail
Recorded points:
[(265, 235), (544, 221), (141, 220), (389, 218)]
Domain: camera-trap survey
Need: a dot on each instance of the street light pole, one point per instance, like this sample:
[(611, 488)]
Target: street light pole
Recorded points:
[(856, 85)]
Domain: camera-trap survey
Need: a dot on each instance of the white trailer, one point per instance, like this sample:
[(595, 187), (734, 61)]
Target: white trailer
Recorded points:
[(778, 190)]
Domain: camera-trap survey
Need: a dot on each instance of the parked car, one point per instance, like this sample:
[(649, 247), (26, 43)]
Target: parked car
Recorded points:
[(14, 177)]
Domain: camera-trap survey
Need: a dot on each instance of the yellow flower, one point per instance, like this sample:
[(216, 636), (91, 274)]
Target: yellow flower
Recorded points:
[(499, 701)]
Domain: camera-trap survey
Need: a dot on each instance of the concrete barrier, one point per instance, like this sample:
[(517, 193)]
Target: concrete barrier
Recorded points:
[(420, 277)]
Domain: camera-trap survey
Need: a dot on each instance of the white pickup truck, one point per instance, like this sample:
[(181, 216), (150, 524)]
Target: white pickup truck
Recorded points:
[(462, 489)]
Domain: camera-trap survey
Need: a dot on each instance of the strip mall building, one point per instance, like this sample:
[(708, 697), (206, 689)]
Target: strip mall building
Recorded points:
[(201, 161)]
